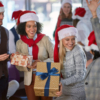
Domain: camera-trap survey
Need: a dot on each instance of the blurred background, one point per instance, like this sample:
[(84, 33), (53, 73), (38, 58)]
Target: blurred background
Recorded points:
[(47, 11)]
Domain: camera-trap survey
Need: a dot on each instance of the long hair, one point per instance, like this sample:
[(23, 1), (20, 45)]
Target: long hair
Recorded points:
[(62, 53), (62, 15)]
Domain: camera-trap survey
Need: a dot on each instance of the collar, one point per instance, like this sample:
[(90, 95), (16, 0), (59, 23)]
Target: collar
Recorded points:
[(67, 49)]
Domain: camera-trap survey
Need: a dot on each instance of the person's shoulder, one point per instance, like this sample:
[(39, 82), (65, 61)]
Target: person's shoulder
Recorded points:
[(46, 38), (5, 29), (77, 47), (20, 41)]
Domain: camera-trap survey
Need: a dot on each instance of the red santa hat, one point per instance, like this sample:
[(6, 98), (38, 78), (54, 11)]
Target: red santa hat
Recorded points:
[(1, 7), (27, 16), (66, 1), (62, 32), (15, 14), (91, 42), (79, 13)]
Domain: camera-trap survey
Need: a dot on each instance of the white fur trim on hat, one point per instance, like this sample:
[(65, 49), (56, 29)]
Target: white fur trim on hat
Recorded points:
[(76, 16), (66, 1), (2, 9), (28, 17), (71, 31), (91, 47)]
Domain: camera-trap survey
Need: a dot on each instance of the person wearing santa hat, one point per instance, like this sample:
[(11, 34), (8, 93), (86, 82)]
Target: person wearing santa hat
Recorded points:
[(34, 43), (65, 16), (73, 60), (84, 28), (83, 25), (13, 35), (92, 47), (4, 50), (92, 82)]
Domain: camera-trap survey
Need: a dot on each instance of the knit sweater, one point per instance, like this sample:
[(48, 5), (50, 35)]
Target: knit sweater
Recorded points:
[(74, 69)]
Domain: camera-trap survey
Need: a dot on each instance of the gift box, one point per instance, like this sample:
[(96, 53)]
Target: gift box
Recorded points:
[(21, 60), (47, 79)]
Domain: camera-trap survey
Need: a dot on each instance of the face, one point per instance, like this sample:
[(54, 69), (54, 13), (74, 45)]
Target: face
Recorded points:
[(1, 17), (31, 29), (69, 42), (66, 8)]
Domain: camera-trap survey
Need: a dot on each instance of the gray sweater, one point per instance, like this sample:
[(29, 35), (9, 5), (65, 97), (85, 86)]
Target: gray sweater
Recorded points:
[(74, 69)]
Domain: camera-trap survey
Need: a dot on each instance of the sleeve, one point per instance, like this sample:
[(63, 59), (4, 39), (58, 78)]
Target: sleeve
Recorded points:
[(80, 62), (18, 49), (96, 28), (12, 47), (49, 47)]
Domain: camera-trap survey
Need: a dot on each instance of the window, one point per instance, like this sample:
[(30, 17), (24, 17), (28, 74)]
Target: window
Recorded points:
[(10, 6)]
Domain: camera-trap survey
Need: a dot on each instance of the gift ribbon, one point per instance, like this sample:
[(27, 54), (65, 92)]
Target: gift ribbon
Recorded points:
[(51, 72)]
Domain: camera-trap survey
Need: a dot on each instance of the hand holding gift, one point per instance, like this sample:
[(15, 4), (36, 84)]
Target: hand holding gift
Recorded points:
[(59, 93), (34, 64), (21, 59)]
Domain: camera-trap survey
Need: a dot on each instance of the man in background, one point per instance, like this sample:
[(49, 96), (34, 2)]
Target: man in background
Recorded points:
[(4, 37)]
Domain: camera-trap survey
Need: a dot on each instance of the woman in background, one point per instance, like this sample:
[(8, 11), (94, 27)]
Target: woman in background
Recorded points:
[(65, 16)]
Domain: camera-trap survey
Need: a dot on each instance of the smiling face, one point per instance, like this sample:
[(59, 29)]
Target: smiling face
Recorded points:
[(66, 8), (31, 29), (69, 42)]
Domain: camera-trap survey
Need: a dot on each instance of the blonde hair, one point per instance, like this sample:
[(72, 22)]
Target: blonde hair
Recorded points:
[(62, 53)]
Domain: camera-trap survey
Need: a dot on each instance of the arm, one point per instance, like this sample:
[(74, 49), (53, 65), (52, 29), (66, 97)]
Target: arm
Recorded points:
[(80, 62), (93, 5), (96, 28), (18, 49), (49, 47)]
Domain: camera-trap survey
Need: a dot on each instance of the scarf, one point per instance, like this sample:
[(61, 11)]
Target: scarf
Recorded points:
[(33, 43)]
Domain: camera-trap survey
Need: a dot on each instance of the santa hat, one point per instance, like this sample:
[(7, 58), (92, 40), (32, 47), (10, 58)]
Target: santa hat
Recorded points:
[(15, 14), (79, 13), (27, 16), (62, 32), (66, 1), (1, 7), (91, 42)]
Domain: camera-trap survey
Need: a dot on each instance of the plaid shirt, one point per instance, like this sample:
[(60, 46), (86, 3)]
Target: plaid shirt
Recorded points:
[(92, 80), (7, 36)]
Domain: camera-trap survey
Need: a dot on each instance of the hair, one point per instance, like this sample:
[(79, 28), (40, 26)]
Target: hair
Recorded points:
[(62, 15), (62, 53), (75, 21), (21, 28), (96, 54)]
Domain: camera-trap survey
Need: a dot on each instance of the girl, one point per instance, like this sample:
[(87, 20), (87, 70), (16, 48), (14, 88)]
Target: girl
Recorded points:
[(73, 60)]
